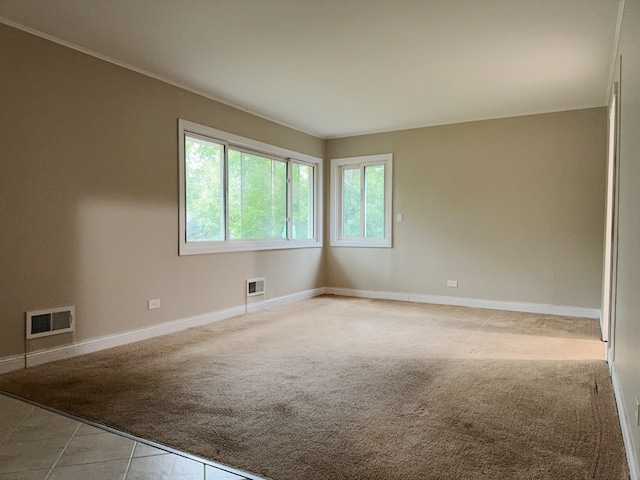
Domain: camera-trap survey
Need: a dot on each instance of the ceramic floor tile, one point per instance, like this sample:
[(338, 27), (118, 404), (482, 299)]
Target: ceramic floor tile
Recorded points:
[(34, 439), (6, 429), (33, 455), (165, 467), (113, 470), (101, 447), (12, 413), (11, 406), (41, 424), (212, 473), (37, 475), (144, 450), (88, 430)]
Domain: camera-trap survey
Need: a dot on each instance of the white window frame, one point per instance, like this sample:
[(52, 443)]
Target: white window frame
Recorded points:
[(230, 140), (337, 167)]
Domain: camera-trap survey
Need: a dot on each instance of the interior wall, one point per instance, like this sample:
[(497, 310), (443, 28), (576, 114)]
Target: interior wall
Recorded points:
[(89, 196), (626, 336), (513, 209)]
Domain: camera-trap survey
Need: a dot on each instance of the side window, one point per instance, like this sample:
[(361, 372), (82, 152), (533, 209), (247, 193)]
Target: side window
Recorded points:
[(361, 201)]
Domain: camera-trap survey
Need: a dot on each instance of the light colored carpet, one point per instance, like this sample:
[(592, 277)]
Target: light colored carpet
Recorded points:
[(350, 389)]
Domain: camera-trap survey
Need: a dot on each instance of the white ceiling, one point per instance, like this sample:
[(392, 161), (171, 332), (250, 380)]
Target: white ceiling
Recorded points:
[(343, 67)]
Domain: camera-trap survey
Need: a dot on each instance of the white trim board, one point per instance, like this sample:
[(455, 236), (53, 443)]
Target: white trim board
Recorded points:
[(31, 359), (634, 467), (40, 357), (541, 308), (9, 364), (96, 344), (275, 302)]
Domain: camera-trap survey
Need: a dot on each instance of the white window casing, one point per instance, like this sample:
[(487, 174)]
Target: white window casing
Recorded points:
[(239, 143), (338, 166)]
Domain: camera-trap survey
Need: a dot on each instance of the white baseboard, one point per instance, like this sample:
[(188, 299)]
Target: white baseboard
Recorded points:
[(9, 364), (470, 302), (634, 467), (39, 357), (31, 359), (294, 297), (96, 344)]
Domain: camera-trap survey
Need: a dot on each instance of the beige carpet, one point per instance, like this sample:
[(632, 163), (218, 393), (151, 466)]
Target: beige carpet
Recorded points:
[(340, 388)]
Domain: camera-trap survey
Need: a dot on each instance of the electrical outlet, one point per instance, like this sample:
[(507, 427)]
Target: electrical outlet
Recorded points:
[(452, 283), (155, 303)]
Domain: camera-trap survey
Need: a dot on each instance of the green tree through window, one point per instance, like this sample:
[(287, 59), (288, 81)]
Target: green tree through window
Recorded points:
[(257, 196), (374, 201), (205, 190), (246, 197), (351, 211), (302, 205), (361, 194)]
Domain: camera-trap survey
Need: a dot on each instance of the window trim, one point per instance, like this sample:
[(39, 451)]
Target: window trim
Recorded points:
[(230, 140), (337, 167)]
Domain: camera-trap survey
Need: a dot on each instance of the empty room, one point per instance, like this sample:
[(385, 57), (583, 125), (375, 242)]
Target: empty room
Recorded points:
[(347, 239)]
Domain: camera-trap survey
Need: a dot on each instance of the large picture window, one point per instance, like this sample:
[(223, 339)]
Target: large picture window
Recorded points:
[(361, 201), (240, 194)]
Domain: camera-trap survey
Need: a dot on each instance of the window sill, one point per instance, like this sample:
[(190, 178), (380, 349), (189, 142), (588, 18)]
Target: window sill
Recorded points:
[(202, 248), (362, 244)]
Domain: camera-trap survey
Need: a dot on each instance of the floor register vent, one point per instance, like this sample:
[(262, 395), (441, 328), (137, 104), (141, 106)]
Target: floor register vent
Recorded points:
[(50, 322), (255, 286)]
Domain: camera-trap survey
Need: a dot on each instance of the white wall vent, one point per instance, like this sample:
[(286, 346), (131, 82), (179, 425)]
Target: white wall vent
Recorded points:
[(255, 286), (51, 322)]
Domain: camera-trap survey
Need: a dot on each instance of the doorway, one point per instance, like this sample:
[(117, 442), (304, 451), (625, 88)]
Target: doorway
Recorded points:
[(610, 243)]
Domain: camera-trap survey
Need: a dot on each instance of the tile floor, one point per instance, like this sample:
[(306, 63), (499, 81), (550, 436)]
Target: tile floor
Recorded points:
[(37, 444)]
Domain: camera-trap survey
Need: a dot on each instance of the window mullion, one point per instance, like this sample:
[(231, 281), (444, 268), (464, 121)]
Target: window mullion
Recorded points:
[(311, 221), (225, 180), (289, 209), (339, 198), (363, 205)]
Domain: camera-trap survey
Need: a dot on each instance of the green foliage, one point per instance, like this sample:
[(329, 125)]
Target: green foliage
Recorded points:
[(374, 201), (352, 204), (204, 190), (257, 195), (302, 201)]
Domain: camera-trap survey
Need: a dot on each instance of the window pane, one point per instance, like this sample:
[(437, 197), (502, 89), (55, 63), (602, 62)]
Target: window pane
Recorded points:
[(204, 191), (351, 202), (301, 201), (257, 197), (374, 201)]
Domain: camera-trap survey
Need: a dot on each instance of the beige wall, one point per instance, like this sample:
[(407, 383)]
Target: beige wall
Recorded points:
[(89, 197), (626, 336), (512, 208)]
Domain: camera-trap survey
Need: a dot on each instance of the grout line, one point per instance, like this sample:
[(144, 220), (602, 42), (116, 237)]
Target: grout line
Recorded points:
[(33, 408), (106, 429), (63, 450), (126, 471)]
